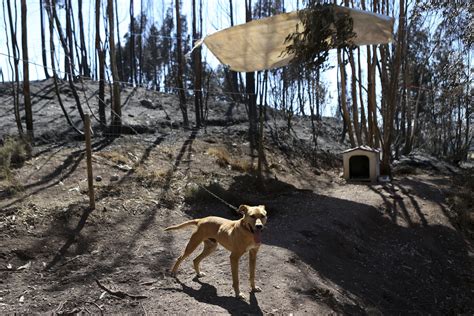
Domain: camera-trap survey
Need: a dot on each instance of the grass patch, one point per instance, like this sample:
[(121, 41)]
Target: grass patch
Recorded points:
[(114, 156), (13, 152), (150, 178), (224, 159)]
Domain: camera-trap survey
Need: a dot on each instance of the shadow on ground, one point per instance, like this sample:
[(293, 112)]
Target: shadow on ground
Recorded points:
[(377, 264)]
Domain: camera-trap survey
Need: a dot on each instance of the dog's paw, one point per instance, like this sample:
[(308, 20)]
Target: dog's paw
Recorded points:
[(200, 275), (256, 289), (240, 296)]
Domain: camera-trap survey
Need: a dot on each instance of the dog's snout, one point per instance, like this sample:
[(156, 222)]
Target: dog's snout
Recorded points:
[(259, 226)]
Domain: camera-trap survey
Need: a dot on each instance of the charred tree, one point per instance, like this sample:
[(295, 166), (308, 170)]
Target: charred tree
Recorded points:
[(26, 73), (250, 89), (83, 50), (16, 61), (116, 115), (180, 62), (43, 42), (49, 12), (197, 70), (101, 57)]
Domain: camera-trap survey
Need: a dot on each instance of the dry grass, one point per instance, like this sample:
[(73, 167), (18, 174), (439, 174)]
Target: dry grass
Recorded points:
[(13, 152), (114, 157), (225, 160), (150, 178)]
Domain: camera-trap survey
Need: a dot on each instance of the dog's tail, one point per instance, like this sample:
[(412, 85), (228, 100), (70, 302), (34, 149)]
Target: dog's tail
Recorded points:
[(182, 225)]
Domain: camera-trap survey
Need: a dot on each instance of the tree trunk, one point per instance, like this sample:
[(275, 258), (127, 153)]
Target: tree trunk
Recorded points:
[(49, 11), (119, 48), (16, 61), (345, 111), (133, 63), (355, 108), (390, 89), (197, 71), (233, 74), (140, 46), (69, 71), (363, 118), (250, 89), (26, 73), (101, 57), (43, 42), (179, 77), (84, 63), (116, 115)]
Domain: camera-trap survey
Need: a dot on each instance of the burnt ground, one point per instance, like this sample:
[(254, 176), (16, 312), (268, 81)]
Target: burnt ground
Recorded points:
[(329, 246)]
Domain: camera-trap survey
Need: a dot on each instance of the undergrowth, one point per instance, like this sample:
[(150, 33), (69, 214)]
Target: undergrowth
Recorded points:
[(13, 152), (225, 160)]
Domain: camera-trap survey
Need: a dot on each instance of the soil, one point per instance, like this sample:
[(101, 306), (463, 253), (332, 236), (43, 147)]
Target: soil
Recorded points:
[(330, 246)]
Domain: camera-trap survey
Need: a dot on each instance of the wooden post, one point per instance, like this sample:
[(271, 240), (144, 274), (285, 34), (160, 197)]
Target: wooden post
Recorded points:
[(90, 179)]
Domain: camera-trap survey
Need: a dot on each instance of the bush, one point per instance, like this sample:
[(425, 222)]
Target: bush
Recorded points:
[(13, 153)]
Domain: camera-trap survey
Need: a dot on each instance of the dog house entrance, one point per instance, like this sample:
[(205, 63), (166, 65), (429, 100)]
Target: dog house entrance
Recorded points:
[(359, 168)]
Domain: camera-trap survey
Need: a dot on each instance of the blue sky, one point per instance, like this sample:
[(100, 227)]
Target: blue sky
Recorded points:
[(215, 13)]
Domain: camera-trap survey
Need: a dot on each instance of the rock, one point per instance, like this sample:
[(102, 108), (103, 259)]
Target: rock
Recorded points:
[(98, 178), (114, 178), (147, 103)]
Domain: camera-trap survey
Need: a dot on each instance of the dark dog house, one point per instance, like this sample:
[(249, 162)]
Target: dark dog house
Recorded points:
[(361, 164)]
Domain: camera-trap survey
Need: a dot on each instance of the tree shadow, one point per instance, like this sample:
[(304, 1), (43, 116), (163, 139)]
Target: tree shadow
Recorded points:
[(377, 265)]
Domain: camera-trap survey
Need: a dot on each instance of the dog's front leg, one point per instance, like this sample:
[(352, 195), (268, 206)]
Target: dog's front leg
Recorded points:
[(234, 263), (252, 264)]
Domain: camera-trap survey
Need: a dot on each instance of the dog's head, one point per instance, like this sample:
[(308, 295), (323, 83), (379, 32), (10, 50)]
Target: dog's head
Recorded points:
[(254, 216)]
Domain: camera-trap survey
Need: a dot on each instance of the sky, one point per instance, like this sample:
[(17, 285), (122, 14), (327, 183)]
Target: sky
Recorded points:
[(215, 13)]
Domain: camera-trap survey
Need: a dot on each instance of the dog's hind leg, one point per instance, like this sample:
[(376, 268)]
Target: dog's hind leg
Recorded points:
[(209, 246), (194, 241)]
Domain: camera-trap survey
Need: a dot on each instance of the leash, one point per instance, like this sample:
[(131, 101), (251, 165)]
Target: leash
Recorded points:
[(217, 197)]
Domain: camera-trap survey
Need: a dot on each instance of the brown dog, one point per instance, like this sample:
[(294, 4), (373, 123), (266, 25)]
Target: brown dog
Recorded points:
[(236, 236)]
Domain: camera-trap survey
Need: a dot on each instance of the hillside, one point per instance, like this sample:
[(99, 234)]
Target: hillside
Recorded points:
[(329, 246)]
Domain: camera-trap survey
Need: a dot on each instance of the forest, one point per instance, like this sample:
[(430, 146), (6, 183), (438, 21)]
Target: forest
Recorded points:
[(117, 121), (414, 93)]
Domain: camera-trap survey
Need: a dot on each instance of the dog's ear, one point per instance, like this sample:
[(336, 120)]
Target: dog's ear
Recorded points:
[(243, 209)]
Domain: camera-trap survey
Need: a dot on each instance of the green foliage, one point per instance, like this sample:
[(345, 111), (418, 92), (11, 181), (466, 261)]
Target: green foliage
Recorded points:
[(323, 28)]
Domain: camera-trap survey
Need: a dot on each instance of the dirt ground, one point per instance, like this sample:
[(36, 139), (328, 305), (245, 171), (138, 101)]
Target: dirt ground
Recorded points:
[(329, 246)]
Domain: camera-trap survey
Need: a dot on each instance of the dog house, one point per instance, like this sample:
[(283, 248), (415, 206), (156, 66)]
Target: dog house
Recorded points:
[(361, 164)]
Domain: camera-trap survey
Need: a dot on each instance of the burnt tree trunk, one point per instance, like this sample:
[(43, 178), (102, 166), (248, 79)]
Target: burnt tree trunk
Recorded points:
[(101, 56), (26, 73), (116, 115), (180, 74)]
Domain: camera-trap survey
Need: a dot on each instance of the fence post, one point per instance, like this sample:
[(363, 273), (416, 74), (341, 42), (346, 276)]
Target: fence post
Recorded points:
[(90, 179)]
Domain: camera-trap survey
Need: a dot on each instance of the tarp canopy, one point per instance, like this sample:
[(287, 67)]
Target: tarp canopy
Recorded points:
[(259, 44)]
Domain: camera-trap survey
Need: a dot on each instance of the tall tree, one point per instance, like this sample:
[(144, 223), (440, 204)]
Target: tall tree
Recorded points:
[(116, 115), (49, 11), (83, 49), (101, 66), (16, 61), (180, 65), (26, 72), (133, 62), (197, 69), (390, 88), (43, 41), (250, 89), (343, 97)]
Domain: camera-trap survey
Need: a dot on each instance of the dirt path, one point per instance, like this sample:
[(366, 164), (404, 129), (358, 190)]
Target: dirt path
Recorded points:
[(329, 246)]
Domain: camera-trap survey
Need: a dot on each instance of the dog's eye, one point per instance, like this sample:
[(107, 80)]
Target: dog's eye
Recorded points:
[(253, 216)]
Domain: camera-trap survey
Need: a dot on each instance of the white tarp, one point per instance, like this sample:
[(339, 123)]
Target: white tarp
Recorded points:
[(258, 45)]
